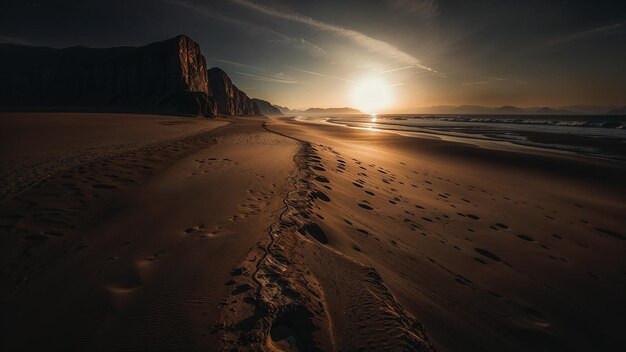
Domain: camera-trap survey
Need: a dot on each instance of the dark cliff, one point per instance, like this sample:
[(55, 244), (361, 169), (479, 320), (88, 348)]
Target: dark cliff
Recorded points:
[(266, 108), (230, 100), (170, 76), (166, 76)]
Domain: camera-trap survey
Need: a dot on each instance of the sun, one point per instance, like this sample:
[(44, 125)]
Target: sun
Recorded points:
[(371, 95)]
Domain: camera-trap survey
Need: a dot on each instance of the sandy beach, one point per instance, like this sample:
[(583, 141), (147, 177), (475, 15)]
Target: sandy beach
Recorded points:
[(154, 232)]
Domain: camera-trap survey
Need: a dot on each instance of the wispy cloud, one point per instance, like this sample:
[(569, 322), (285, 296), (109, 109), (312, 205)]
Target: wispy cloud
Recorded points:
[(321, 74), (588, 34), (298, 43), (474, 83), (238, 64), (267, 78), (371, 44), (206, 11), (500, 79), (489, 80), (425, 8), (397, 69), (340, 78), (266, 75)]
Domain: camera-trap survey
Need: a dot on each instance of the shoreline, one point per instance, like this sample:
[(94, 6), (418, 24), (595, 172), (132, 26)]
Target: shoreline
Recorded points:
[(540, 141)]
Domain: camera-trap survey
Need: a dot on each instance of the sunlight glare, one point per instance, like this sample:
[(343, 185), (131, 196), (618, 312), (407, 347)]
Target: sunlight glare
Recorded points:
[(371, 95)]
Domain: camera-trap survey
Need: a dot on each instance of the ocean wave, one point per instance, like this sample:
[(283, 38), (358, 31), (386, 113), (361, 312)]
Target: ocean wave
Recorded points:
[(544, 122)]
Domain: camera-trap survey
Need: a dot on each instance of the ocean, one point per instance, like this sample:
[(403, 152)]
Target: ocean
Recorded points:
[(592, 136)]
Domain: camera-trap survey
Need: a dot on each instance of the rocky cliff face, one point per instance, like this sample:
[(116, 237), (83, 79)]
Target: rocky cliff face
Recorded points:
[(230, 100), (266, 108), (167, 76)]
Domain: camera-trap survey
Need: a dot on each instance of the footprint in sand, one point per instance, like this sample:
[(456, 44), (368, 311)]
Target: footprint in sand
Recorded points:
[(365, 206), (321, 195), (611, 233), (103, 186), (52, 233), (36, 238), (487, 254), (321, 179), (538, 317), (463, 280), (313, 230)]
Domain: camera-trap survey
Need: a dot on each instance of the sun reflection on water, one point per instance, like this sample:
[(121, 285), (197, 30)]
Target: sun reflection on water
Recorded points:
[(373, 126)]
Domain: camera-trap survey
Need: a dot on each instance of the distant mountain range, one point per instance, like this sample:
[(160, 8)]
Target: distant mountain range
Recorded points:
[(346, 110), (333, 110), (618, 111), (514, 110)]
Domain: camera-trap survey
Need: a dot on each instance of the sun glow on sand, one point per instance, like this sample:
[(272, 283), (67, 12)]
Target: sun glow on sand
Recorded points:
[(371, 95)]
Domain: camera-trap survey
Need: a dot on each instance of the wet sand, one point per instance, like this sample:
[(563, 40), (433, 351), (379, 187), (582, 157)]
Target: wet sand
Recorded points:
[(280, 235)]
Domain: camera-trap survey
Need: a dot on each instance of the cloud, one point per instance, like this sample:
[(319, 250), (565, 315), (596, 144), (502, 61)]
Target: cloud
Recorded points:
[(588, 34), (489, 80), (508, 80), (365, 41), (276, 79), (298, 43), (474, 83), (266, 74), (238, 64), (321, 74), (397, 69), (206, 11), (425, 8)]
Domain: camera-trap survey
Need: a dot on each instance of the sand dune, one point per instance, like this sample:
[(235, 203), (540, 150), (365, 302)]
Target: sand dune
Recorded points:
[(253, 233)]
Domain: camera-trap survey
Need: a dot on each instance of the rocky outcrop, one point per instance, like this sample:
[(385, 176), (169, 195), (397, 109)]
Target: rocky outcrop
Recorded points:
[(266, 108), (170, 76), (285, 110), (230, 100)]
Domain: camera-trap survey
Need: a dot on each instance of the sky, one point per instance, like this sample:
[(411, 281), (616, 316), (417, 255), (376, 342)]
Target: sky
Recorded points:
[(304, 54)]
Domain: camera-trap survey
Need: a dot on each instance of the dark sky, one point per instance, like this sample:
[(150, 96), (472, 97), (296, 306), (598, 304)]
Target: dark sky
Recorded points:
[(311, 53)]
